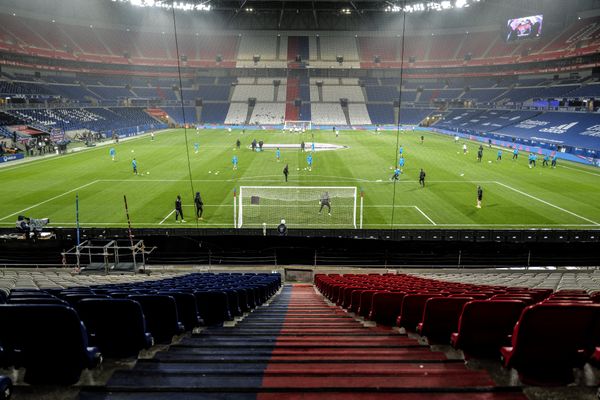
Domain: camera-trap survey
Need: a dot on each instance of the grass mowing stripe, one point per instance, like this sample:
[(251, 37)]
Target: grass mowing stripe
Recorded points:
[(547, 203), (49, 200)]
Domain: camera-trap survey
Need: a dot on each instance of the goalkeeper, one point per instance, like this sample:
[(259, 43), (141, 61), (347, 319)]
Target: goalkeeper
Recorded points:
[(325, 202)]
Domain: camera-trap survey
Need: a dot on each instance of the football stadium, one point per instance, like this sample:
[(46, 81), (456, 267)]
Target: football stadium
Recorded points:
[(326, 199)]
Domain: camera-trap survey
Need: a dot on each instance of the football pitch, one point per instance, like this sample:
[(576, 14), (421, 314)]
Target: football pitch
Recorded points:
[(514, 195)]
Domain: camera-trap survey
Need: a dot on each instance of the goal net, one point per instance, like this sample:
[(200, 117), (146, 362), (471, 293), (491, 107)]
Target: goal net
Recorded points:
[(297, 126), (299, 206)]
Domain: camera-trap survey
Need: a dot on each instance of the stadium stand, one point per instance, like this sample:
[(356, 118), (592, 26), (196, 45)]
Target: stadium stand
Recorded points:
[(268, 114), (327, 114), (237, 113)]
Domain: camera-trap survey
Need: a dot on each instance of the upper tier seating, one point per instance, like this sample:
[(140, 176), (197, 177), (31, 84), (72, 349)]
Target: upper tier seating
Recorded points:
[(264, 46), (268, 114), (333, 46)]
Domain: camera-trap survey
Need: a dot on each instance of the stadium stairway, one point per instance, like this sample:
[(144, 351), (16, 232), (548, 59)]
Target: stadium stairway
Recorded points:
[(300, 347)]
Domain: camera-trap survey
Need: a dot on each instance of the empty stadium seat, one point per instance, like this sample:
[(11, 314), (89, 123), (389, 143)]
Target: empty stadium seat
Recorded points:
[(385, 307), (213, 306), (549, 340), (411, 311), (161, 316), (485, 326), (49, 341), (187, 310), (440, 318), (116, 326)]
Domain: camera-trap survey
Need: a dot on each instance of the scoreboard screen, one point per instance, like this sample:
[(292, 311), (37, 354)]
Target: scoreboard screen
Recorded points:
[(524, 28)]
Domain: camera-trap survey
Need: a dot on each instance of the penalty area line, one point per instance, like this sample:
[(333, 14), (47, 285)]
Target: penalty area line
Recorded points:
[(165, 218), (425, 215), (547, 203)]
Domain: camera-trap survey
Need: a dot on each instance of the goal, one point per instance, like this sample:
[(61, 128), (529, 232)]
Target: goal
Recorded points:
[(299, 206), (297, 126)]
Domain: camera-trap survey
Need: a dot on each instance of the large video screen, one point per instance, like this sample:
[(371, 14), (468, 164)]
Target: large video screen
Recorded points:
[(524, 28)]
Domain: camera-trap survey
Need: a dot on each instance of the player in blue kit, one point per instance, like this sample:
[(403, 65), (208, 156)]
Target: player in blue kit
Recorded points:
[(134, 166), (309, 161), (553, 161), (234, 161), (532, 159), (545, 161), (396, 174), (113, 153), (499, 156), (515, 154), (401, 150), (278, 154), (401, 163), (196, 147)]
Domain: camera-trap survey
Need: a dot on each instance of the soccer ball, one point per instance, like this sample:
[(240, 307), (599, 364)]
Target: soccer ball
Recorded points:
[(147, 172), (489, 162), (132, 151), (210, 172), (462, 174), (297, 169)]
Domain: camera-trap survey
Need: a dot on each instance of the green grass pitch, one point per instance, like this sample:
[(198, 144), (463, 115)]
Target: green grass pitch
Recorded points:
[(515, 196)]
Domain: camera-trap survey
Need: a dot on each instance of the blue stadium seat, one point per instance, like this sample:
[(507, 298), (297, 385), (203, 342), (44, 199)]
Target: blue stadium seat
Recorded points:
[(49, 341), (5, 388), (116, 326), (161, 316)]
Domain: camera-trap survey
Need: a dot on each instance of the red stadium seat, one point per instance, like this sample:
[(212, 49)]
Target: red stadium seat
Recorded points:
[(386, 307), (412, 308), (440, 318), (550, 340), (485, 326)]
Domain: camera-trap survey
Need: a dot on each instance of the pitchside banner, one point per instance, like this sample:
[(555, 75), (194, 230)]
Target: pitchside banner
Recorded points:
[(11, 157)]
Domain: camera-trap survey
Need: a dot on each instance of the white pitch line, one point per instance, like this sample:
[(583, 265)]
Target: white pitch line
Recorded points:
[(547, 203), (92, 224), (579, 170), (425, 215), (165, 218), (50, 199)]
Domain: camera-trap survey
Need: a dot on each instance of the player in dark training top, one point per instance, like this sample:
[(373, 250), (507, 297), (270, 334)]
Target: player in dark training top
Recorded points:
[(178, 209), (286, 171), (422, 178), (199, 205), (325, 202), (479, 196)]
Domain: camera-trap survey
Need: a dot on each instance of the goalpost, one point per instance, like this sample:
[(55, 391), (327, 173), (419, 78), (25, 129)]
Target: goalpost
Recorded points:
[(299, 206), (297, 126)]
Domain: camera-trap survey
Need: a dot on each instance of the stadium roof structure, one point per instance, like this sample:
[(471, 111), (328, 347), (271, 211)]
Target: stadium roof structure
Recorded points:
[(330, 15)]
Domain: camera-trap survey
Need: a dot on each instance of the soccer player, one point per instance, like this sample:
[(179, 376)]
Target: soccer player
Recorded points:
[(532, 158), (278, 154), (554, 161), (479, 196), (309, 160), (546, 159), (286, 171), (480, 153), (401, 150), (302, 146), (196, 147), (422, 178), (401, 163), (499, 156), (490, 143), (464, 148), (234, 161), (260, 145), (337, 132), (238, 144), (422, 139), (396, 175), (325, 202), (134, 166), (113, 153), (178, 209), (515, 154), (254, 145), (456, 138), (312, 146), (199, 205), (152, 136)]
